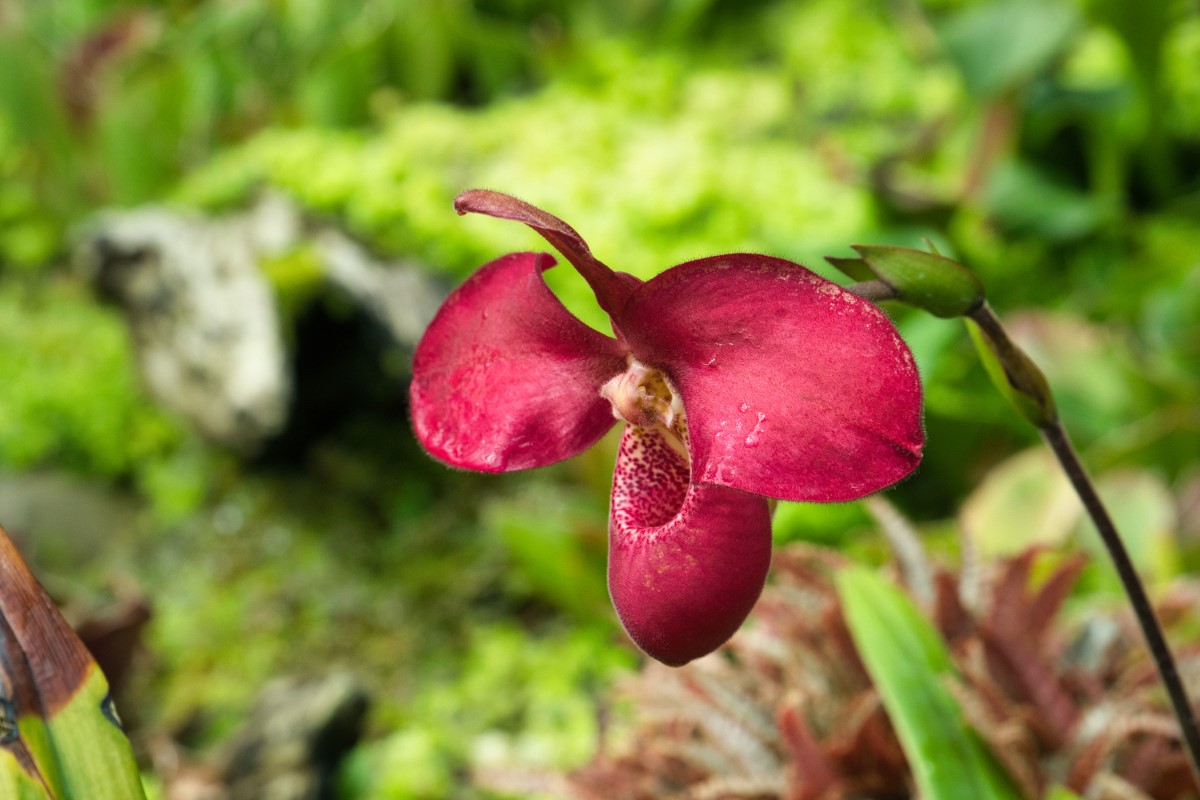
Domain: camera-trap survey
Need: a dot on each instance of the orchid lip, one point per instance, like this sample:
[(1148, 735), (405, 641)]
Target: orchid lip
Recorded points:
[(686, 561)]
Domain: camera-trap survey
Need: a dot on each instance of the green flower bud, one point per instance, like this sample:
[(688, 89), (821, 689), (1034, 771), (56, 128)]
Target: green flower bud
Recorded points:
[(1012, 371), (927, 281)]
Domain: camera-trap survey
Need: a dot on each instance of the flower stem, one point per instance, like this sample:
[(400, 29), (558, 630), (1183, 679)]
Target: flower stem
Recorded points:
[(875, 291), (1056, 437), (1020, 380)]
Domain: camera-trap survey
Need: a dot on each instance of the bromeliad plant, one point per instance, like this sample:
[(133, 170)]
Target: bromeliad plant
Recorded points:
[(848, 686), (739, 377)]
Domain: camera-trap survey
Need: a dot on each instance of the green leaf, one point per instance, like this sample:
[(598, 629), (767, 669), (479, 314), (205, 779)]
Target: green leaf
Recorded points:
[(1025, 200), (16, 784), (59, 735), (998, 46), (910, 666), (1025, 501)]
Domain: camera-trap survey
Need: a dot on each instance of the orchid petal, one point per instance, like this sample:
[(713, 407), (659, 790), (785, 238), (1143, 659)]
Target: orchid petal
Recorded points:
[(612, 289), (794, 388), (505, 378), (686, 563)]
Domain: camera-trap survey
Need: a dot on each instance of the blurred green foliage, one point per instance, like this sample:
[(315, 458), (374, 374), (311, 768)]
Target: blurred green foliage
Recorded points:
[(657, 130), (1052, 146), (72, 405), (515, 704)]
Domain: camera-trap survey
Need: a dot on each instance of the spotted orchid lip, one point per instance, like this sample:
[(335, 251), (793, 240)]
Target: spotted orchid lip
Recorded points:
[(792, 387), (686, 561)]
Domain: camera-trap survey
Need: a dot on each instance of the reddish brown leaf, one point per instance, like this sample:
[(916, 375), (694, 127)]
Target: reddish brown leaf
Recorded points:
[(810, 772), (36, 635)]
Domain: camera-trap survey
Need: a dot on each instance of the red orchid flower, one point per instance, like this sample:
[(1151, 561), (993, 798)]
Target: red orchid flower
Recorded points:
[(741, 377)]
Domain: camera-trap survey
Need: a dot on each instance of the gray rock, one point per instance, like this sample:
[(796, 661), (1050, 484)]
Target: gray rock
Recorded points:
[(200, 312), (399, 296), (294, 739), (204, 320)]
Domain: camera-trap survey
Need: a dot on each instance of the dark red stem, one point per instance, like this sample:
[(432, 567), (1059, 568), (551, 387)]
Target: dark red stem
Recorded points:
[(1056, 437)]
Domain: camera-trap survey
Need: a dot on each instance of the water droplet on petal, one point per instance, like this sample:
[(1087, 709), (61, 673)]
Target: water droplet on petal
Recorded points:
[(744, 407), (752, 438)]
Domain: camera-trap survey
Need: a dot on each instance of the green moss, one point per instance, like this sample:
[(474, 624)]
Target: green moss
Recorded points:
[(71, 394), (650, 176), (516, 701)]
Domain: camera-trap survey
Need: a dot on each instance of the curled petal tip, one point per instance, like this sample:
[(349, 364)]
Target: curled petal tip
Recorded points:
[(483, 201), (504, 206), (612, 289)]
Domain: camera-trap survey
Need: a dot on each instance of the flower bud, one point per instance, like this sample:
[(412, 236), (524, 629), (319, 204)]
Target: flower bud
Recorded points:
[(1012, 371), (927, 281)]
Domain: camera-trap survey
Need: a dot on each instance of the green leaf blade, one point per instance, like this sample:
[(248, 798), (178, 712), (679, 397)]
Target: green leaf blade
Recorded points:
[(909, 664), (1000, 46), (16, 781), (94, 755), (60, 739)]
